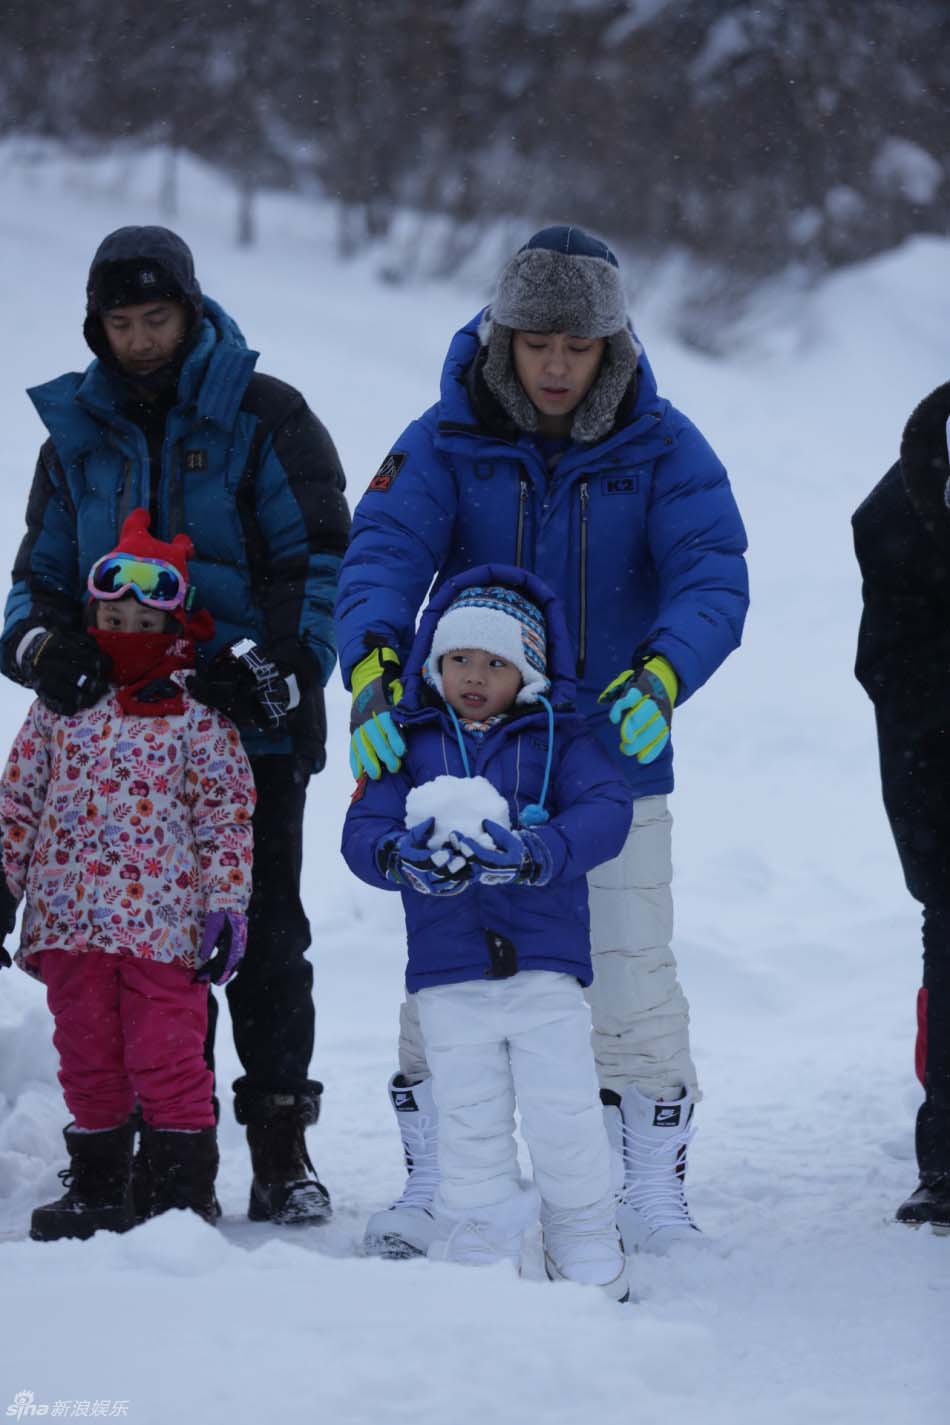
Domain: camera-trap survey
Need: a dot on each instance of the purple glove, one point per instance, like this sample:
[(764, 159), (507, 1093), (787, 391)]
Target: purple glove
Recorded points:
[(222, 946)]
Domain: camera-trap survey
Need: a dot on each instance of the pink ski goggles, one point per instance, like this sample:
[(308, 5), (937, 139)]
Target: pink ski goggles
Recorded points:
[(152, 581)]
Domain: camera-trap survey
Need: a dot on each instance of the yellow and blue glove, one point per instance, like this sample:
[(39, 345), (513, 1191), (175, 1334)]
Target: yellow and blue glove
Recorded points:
[(375, 740), (642, 701)]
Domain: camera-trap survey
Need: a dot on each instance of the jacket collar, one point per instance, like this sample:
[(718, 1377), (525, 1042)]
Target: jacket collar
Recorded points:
[(467, 411), (213, 380)]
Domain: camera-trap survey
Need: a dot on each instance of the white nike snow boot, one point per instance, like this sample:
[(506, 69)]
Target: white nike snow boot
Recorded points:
[(482, 1237), (582, 1244), (407, 1227), (651, 1136)]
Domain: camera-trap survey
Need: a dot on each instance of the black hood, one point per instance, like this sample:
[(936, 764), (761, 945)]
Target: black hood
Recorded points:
[(124, 263), (925, 467)]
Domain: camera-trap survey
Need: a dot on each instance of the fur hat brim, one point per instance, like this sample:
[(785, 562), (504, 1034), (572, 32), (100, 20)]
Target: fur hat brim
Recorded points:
[(594, 416), (493, 632), (544, 291)]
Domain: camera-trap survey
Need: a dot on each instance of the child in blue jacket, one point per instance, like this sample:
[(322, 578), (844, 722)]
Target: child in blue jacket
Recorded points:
[(497, 924)]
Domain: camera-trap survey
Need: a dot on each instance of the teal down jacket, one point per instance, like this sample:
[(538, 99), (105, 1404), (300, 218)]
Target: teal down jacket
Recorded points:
[(247, 471)]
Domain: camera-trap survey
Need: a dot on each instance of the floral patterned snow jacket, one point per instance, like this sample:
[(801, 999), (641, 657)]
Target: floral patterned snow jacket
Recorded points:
[(123, 832)]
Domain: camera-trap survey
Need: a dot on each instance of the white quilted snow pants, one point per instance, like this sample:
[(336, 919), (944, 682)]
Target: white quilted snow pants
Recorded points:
[(492, 1043), (640, 1014)]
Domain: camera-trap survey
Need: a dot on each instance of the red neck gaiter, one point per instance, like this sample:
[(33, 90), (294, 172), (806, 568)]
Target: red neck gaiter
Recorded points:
[(141, 667)]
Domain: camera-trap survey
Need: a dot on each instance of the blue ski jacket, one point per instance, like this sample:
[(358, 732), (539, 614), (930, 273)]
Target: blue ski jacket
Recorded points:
[(496, 930), (246, 469), (638, 535)]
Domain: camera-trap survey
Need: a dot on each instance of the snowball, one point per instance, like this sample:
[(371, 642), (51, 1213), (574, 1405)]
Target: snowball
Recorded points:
[(458, 804)]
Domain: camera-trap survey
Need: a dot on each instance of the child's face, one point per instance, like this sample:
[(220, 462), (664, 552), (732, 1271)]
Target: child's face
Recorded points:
[(127, 615), (479, 685)]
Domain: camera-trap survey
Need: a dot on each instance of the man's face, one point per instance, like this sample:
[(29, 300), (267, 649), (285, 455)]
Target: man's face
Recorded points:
[(145, 336), (556, 370), (479, 685)]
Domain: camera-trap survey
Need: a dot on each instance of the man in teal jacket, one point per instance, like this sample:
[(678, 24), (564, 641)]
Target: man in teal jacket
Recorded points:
[(172, 416), (551, 449)]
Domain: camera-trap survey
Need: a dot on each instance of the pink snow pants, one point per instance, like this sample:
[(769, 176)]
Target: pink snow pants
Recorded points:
[(129, 1030)]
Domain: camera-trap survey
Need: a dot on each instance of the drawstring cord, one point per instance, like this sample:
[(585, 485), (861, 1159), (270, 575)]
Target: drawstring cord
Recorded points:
[(461, 740), (535, 814)]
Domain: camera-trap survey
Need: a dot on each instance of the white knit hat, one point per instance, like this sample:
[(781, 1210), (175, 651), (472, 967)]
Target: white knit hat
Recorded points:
[(496, 620)]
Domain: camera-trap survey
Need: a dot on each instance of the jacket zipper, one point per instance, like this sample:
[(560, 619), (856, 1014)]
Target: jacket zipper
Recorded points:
[(176, 494), (123, 494), (522, 506), (582, 632)]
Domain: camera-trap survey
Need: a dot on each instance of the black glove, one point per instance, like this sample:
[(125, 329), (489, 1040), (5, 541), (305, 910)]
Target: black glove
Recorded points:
[(246, 685), (65, 668), (7, 919)]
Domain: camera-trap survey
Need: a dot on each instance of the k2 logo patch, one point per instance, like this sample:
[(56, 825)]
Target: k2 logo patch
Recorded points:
[(620, 484), (388, 471)]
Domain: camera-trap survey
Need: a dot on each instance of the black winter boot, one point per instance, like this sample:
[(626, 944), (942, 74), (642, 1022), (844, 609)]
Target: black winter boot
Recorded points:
[(142, 1171), (285, 1188), (182, 1168), (928, 1203), (98, 1187)]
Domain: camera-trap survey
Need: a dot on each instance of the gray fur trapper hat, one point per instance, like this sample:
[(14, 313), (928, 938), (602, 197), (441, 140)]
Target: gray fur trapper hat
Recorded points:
[(562, 280)]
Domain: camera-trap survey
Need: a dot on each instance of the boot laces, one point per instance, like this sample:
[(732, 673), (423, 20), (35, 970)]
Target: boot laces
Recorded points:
[(477, 1243), (585, 1233), (654, 1177), (422, 1159)]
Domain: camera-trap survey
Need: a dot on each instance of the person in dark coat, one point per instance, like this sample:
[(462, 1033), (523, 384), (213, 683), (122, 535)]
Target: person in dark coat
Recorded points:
[(551, 449), (171, 416), (902, 541), (497, 918)]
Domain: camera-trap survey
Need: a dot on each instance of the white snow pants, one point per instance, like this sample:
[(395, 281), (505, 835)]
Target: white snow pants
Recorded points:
[(492, 1043), (640, 1014)]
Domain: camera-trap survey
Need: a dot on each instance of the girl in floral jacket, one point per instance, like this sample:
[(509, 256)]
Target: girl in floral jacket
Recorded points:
[(127, 828)]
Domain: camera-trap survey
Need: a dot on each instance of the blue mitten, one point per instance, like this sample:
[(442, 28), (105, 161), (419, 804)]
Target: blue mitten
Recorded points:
[(408, 861), (517, 857)]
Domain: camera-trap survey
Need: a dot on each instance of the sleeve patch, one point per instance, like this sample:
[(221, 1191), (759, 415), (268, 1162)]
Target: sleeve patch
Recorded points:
[(359, 789), (388, 471)]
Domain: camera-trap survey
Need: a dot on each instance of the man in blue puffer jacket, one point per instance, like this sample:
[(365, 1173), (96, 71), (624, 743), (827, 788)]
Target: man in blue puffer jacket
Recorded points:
[(550, 449), (497, 920), (171, 416)]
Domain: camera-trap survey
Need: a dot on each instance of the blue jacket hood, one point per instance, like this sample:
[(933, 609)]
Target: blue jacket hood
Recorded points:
[(560, 653)]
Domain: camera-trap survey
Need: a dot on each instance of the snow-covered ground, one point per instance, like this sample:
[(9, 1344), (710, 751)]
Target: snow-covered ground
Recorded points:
[(797, 943)]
